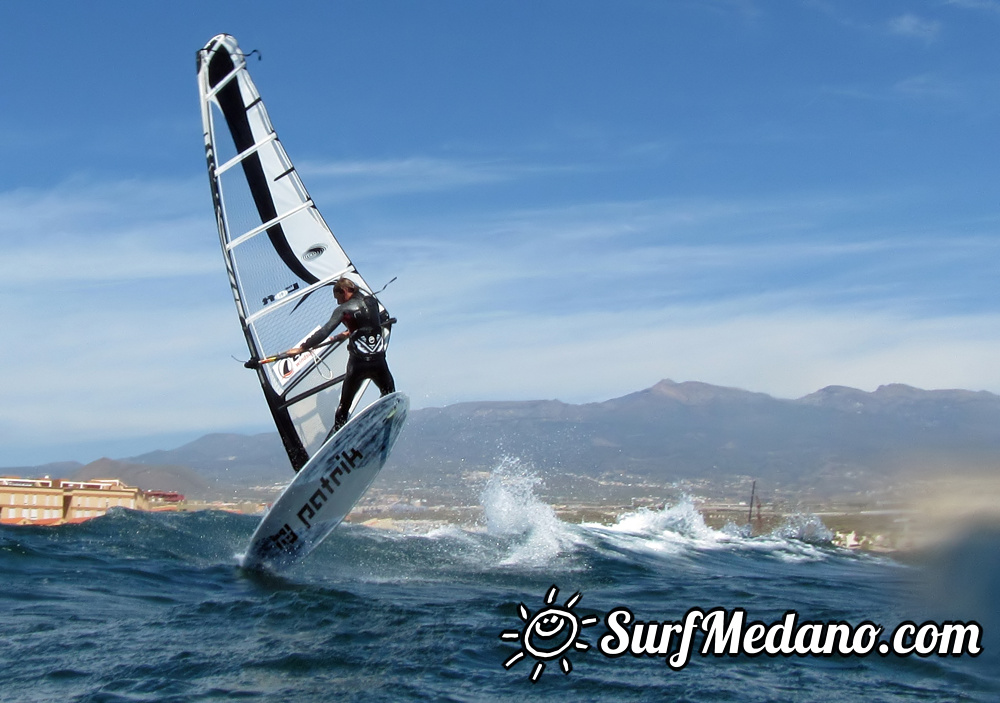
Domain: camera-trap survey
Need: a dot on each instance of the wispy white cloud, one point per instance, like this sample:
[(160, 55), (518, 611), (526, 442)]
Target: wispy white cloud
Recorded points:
[(84, 204), (62, 260), (351, 180), (785, 352), (855, 17), (132, 330), (992, 6), (930, 87), (910, 25), (547, 302), (121, 368), (664, 252), (104, 231), (114, 306), (547, 252)]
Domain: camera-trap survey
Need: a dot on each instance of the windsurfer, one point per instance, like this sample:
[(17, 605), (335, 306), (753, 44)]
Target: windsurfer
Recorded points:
[(359, 313)]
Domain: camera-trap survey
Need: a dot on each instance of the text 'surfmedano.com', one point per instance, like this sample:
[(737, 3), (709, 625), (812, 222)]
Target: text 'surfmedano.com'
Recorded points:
[(552, 633)]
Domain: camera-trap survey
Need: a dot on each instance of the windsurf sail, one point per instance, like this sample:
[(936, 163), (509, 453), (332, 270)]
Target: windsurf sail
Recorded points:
[(280, 253)]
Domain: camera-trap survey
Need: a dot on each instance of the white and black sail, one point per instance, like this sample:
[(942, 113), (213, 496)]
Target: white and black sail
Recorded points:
[(281, 255)]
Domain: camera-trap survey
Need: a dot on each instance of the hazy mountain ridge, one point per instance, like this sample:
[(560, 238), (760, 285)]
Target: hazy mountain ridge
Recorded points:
[(182, 479), (695, 430), (837, 438), (228, 458)]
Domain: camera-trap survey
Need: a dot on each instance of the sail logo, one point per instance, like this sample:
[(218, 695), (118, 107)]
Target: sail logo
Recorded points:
[(549, 634), (280, 294), (553, 631), (285, 369)]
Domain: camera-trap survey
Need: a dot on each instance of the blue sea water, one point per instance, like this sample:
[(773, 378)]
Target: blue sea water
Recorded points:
[(153, 607)]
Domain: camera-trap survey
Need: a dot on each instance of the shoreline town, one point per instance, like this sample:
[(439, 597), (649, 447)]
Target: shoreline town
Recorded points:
[(887, 528), (57, 501)]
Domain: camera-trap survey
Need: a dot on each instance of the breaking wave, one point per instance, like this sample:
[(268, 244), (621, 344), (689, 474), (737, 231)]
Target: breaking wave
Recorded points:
[(513, 514), (518, 530), (376, 614)]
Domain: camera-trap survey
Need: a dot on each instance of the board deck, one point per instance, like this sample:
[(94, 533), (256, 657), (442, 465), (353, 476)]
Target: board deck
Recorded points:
[(327, 487)]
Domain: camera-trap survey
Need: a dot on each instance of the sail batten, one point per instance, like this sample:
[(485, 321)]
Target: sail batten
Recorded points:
[(268, 225), (279, 251), (297, 295), (239, 158), (220, 84)]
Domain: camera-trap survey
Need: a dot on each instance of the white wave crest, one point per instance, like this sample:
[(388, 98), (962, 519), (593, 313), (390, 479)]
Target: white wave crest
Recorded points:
[(677, 530), (672, 529), (805, 528), (529, 528)]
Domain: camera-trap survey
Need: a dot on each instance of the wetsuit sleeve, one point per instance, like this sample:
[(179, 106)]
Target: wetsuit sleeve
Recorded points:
[(324, 331)]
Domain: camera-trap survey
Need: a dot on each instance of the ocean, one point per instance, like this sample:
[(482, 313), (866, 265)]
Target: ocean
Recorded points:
[(153, 607)]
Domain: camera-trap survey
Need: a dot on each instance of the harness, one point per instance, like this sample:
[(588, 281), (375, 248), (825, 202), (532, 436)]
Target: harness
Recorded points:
[(365, 324)]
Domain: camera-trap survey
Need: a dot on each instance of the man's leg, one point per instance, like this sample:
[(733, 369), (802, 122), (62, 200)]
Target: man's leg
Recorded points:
[(349, 389), (383, 378)]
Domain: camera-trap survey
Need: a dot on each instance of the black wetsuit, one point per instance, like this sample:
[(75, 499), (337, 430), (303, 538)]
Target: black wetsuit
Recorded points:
[(366, 349)]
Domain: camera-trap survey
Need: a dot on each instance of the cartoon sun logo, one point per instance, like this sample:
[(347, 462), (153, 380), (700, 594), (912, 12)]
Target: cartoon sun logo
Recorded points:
[(549, 634)]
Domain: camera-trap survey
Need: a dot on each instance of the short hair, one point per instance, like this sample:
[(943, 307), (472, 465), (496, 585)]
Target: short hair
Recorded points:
[(346, 284)]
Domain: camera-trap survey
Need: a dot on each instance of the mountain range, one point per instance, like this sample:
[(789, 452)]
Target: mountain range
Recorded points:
[(836, 442)]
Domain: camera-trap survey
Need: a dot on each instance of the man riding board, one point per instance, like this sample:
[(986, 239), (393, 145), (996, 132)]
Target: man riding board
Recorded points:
[(359, 313)]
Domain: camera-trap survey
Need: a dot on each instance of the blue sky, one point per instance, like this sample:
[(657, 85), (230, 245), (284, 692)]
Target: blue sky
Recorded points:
[(578, 199)]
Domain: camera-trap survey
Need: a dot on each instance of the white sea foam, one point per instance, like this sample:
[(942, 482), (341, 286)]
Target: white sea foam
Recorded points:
[(672, 529), (805, 528), (444, 532), (680, 529), (801, 538), (530, 530), (682, 520), (519, 529)]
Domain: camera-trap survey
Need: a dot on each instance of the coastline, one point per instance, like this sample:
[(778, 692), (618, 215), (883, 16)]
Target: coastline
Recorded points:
[(882, 531), (928, 514)]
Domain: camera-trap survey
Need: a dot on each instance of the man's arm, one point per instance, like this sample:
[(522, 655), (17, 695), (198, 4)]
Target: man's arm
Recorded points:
[(311, 342), (322, 333)]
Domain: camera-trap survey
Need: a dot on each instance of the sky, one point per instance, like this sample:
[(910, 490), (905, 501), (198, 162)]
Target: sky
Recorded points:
[(577, 199)]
